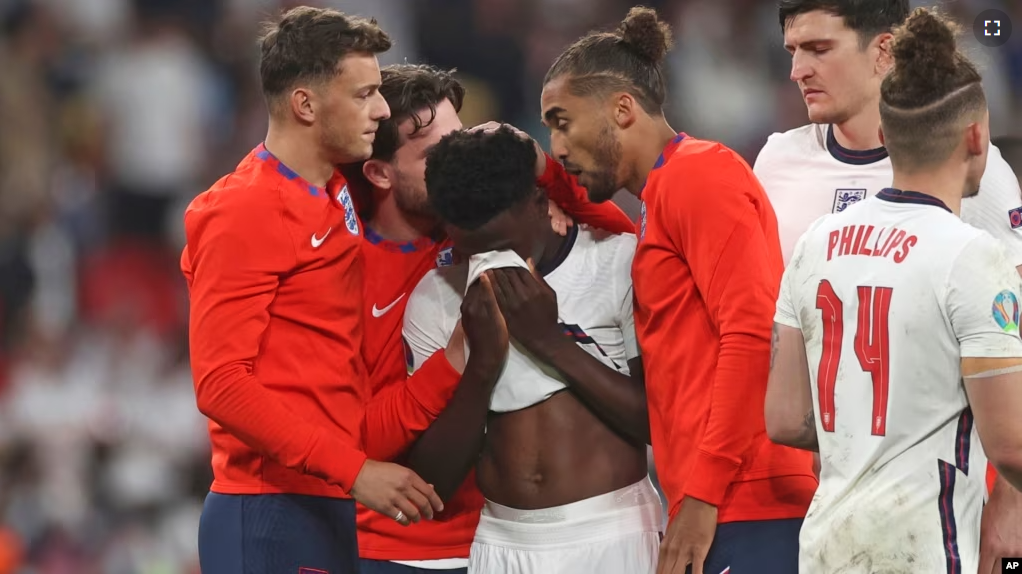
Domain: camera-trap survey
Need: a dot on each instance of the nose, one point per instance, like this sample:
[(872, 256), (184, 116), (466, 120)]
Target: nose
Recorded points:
[(558, 146), (800, 68), (380, 109)]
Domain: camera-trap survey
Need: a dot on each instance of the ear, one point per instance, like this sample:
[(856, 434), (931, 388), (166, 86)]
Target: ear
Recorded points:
[(975, 138), (885, 58), (625, 109), (880, 132), (302, 105), (378, 173)]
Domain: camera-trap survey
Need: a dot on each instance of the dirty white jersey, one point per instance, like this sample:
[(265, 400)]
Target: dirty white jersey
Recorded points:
[(890, 294), (592, 279), (807, 174)]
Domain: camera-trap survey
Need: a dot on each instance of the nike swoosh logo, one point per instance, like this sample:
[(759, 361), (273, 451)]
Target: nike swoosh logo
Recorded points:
[(317, 241), (381, 312)]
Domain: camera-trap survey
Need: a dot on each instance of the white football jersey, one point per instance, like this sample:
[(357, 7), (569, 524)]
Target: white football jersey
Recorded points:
[(807, 174), (890, 294), (593, 284)]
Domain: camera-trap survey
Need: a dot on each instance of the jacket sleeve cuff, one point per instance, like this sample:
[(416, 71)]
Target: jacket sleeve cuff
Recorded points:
[(710, 477), (434, 383), (340, 461)]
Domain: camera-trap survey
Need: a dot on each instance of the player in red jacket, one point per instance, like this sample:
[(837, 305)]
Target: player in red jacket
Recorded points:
[(706, 274), (403, 241), (274, 268)]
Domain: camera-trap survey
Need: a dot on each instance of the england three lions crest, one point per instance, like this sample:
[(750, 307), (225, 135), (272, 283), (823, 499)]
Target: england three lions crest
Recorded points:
[(845, 197)]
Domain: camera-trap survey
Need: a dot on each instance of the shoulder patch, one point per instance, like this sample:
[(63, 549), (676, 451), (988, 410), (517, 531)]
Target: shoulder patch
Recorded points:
[(445, 258), (1015, 217), (845, 197), (1006, 311)]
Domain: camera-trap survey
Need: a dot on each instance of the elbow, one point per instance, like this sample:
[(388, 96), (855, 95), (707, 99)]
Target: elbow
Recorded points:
[(1007, 458), (780, 431)]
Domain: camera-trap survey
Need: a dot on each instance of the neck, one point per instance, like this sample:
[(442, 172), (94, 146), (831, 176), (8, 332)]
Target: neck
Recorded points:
[(862, 131), (943, 182), (299, 152), (393, 224), (552, 244), (652, 139)]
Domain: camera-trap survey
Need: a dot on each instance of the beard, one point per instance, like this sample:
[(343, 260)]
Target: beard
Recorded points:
[(601, 183), (411, 197)]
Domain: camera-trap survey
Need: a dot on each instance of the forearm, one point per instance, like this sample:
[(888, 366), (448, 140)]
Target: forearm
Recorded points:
[(1008, 492), (397, 416), (740, 377), (619, 400), (234, 399), (450, 447), (788, 408)]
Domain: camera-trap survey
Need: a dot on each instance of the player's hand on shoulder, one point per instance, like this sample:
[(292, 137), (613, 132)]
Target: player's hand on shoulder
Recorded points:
[(559, 220), (688, 538), (529, 307), (395, 491), (484, 326), (540, 154)]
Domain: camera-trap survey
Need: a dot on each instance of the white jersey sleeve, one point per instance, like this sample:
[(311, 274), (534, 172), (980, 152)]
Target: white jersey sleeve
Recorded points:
[(433, 310), (785, 313), (997, 208), (621, 273), (983, 293)]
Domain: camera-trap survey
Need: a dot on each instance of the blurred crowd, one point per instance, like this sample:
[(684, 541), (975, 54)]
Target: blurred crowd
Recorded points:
[(115, 113)]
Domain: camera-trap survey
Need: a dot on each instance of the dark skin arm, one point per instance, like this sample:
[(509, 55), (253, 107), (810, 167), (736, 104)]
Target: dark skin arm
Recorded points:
[(529, 307), (450, 447)]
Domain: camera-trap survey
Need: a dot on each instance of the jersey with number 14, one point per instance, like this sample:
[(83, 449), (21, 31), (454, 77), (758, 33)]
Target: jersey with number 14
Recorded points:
[(890, 294)]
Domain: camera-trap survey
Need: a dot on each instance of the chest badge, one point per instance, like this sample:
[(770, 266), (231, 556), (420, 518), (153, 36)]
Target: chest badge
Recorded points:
[(845, 197)]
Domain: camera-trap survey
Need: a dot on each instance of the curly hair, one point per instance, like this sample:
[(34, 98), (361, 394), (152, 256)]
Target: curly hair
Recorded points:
[(472, 177), (409, 89), (933, 92)]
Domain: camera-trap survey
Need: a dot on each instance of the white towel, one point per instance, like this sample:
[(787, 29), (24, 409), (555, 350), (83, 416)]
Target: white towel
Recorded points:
[(525, 381)]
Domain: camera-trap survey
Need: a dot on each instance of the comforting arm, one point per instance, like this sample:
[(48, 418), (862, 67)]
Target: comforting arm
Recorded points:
[(396, 417), (790, 418), (233, 277)]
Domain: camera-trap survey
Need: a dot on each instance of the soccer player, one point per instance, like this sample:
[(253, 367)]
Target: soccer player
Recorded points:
[(885, 308), (274, 269), (841, 51), (559, 437), (404, 240), (706, 273)]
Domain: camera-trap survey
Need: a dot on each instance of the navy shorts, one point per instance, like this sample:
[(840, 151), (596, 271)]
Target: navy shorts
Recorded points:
[(277, 534), (759, 547), (385, 567)]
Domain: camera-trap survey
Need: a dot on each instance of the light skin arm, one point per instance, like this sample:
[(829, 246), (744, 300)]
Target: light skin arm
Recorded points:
[(1001, 528), (790, 416), (996, 401)]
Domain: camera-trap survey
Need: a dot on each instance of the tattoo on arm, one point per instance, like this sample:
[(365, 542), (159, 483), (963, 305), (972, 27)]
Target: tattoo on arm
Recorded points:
[(807, 437), (775, 338)]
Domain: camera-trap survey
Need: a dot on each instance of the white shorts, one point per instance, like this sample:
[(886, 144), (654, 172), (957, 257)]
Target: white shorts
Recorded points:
[(614, 533)]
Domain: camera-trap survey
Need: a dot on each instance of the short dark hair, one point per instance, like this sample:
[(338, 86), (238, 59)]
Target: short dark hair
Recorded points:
[(630, 59), (868, 18), (307, 44), (472, 177), (408, 89), (931, 95)]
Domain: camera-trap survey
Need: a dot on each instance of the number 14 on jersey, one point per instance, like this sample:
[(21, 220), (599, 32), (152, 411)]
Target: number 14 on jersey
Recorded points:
[(872, 348)]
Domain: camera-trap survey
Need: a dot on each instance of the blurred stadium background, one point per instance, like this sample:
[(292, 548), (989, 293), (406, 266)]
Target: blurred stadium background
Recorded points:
[(115, 113)]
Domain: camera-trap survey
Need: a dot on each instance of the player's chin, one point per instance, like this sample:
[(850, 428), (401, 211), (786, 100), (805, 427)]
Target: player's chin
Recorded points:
[(821, 114)]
